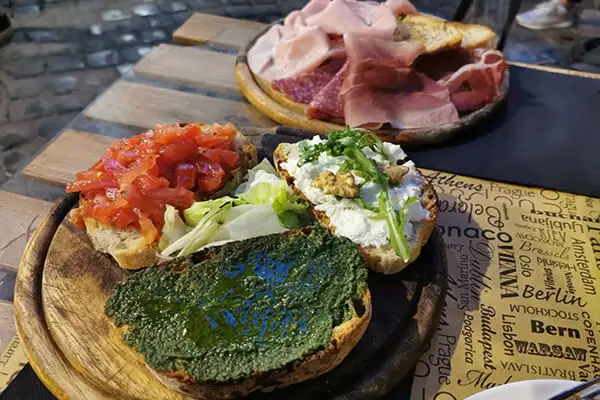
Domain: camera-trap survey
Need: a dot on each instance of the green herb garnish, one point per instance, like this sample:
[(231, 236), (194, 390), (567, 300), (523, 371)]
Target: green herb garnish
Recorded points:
[(338, 141), (350, 143)]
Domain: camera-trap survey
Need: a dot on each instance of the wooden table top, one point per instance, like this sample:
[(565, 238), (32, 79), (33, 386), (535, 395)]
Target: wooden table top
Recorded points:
[(172, 83)]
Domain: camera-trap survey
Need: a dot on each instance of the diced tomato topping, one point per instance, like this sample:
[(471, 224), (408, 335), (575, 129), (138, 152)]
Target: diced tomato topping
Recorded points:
[(147, 182), (185, 176), (137, 177), (178, 197), (227, 158), (147, 228), (210, 176), (76, 218)]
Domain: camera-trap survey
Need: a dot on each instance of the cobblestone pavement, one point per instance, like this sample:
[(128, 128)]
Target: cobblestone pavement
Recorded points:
[(66, 52)]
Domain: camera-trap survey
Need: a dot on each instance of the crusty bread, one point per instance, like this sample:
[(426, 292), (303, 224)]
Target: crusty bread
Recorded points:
[(343, 339), (475, 36), (436, 34), (433, 33), (127, 246), (383, 259)]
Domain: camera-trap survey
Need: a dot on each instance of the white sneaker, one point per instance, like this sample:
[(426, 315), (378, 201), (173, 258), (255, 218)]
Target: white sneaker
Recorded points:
[(546, 15)]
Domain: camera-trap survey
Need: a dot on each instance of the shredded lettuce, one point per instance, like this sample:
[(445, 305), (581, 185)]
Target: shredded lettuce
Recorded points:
[(199, 209), (263, 187), (208, 215), (262, 205), (173, 229), (255, 221)]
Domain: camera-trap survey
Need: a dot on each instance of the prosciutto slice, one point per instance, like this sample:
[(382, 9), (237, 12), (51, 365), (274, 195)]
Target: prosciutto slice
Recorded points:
[(360, 48), (311, 36), (260, 56), (300, 53), (477, 83), (417, 102), (314, 7), (382, 87), (401, 7), (364, 17)]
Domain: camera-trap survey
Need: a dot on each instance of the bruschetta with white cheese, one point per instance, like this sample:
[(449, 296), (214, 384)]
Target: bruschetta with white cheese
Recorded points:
[(366, 190)]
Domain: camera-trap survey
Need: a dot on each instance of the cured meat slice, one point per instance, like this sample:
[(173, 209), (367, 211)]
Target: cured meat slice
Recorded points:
[(314, 7), (378, 85), (477, 83), (442, 64), (260, 56), (304, 87), (495, 60), (416, 102), (401, 7), (292, 23), (300, 53), (310, 36), (366, 18), (382, 87), (327, 104), (360, 48)]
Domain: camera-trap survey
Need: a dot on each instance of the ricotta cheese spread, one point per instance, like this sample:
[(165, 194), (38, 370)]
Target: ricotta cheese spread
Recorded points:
[(347, 216)]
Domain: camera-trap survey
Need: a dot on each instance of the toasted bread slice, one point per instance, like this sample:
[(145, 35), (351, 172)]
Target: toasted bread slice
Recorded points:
[(127, 246), (383, 259), (344, 336), (433, 33), (475, 36)]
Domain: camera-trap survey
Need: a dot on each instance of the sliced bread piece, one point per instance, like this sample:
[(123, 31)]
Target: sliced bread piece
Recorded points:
[(291, 271), (379, 259), (475, 36), (433, 33), (128, 247)]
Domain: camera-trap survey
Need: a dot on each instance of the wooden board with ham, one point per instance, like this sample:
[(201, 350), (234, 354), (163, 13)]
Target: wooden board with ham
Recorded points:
[(383, 66)]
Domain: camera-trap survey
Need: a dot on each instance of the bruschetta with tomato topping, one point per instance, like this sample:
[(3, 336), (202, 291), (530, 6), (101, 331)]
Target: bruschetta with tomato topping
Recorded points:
[(124, 195)]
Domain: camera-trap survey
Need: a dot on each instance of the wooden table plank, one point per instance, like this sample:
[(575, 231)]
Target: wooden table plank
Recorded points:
[(7, 323), (71, 152), (219, 31), (190, 66), (145, 106), (23, 215)]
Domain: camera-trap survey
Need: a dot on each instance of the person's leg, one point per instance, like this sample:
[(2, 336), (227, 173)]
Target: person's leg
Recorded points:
[(548, 14)]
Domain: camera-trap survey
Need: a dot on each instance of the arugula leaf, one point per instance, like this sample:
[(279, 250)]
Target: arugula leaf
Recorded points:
[(404, 208), (397, 237)]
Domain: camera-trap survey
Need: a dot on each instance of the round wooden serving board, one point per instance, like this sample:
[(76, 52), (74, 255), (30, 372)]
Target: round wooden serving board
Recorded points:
[(289, 113), (63, 284)]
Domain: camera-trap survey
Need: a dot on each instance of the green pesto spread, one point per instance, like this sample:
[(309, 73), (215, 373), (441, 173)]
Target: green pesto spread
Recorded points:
[(255, 306)]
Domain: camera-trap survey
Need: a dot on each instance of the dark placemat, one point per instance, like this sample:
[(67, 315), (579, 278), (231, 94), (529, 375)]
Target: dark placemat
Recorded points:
[(26, 386), (547, 135)]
